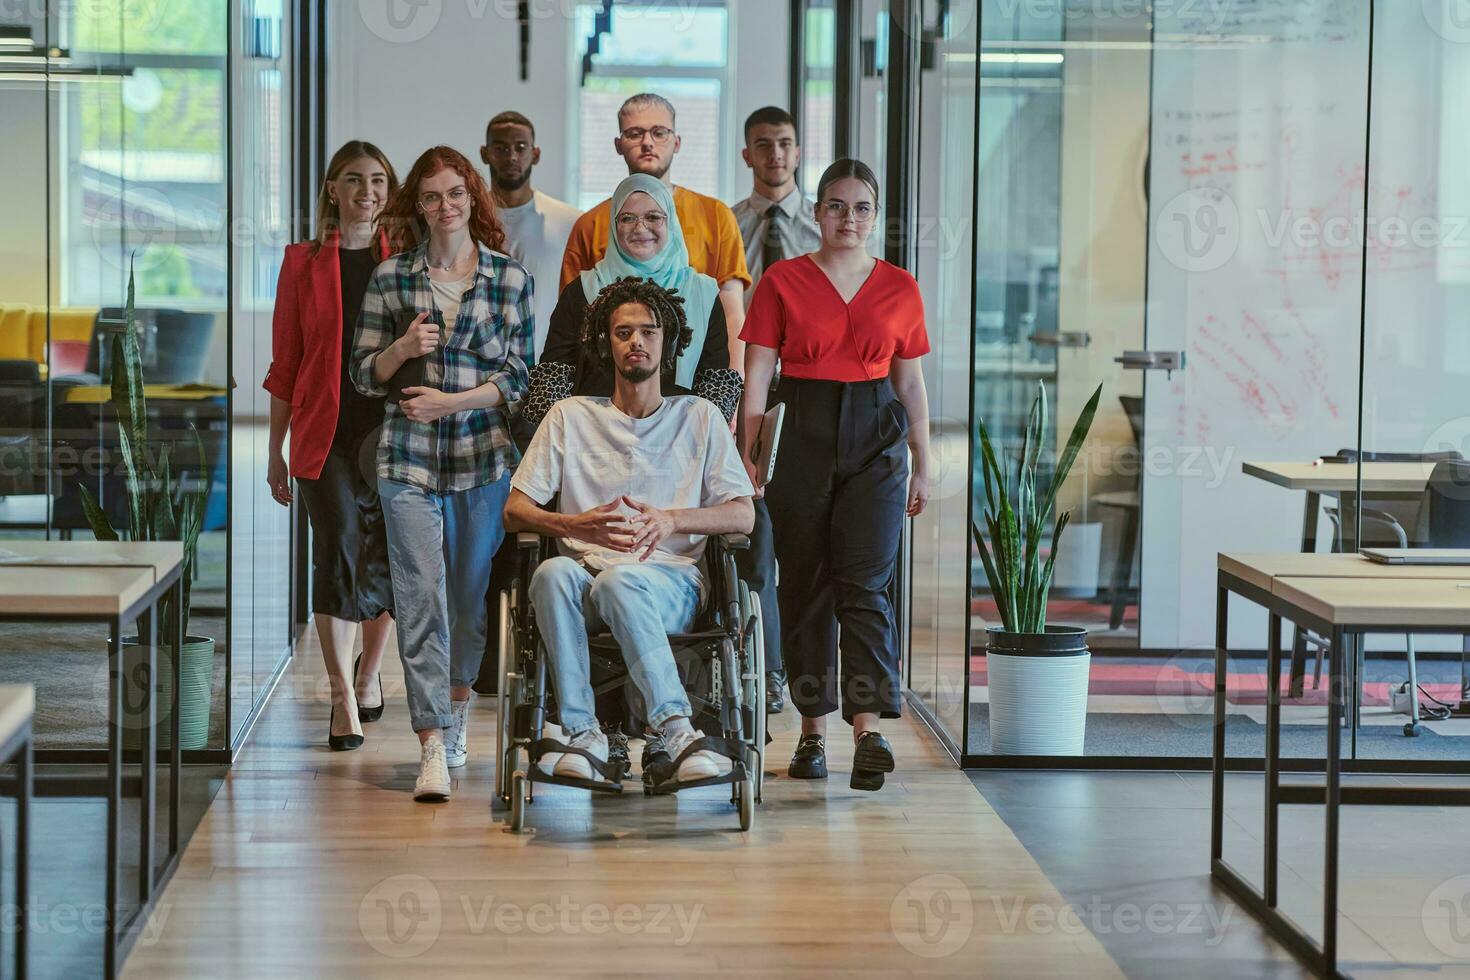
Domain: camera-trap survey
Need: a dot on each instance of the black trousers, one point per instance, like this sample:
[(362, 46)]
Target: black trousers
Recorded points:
[(837, 505), (349, 542), (758, 567)]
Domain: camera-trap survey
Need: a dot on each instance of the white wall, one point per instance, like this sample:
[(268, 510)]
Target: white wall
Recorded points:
[(440, 75)]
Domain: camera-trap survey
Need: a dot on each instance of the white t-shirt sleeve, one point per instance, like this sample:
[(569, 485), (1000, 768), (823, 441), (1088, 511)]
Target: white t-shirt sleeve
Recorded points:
[(539, 473), (725, 478)]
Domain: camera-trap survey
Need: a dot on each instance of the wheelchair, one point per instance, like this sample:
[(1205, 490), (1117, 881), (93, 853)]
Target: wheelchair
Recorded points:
[(721, 665)]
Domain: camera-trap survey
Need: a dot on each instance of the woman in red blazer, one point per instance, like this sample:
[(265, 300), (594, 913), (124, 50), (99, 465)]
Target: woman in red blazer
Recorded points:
[(334, 429)]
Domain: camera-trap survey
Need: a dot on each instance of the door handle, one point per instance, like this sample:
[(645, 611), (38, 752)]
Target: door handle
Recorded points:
[(1167, 361)]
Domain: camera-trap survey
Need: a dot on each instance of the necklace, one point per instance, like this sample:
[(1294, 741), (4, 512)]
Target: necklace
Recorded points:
[(448, 265)]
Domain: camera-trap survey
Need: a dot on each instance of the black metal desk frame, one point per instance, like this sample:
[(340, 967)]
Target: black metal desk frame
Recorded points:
[(122, 932), (1321, 959), (17, 751)]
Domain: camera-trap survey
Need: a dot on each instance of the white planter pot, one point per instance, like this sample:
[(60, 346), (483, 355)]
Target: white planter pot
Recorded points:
[(1038, 702)]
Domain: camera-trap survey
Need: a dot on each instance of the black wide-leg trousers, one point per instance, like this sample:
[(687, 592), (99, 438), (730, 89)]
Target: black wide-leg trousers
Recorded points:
[(837, 504)]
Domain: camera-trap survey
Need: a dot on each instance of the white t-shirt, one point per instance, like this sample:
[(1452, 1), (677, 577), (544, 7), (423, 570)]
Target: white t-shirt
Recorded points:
[(536, 236), (680, 457)]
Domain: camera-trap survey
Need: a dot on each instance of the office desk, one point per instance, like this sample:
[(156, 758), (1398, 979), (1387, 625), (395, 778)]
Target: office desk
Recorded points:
[(17, 711), (1344, 601), (111, 583), (98, 394), (1386, 481)]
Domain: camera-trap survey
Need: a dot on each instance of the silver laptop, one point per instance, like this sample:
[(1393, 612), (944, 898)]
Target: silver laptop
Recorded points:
[(1418, 556)]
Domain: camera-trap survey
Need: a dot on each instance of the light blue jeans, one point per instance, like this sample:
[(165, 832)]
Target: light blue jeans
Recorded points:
[(640, 605), (439, 551)]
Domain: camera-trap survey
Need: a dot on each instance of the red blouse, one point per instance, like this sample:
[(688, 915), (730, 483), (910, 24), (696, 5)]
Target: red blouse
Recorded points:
[(798, 311)]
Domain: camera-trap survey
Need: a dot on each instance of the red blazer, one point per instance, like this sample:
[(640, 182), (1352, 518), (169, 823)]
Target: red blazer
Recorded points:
[(306, 348)]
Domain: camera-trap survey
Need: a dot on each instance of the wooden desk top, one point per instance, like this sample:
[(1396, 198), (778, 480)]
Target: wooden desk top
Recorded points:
[(17, 706), (159, 556), (1399, 602), (97, 394), (1343, 477), (52, 590), (1261, 569)]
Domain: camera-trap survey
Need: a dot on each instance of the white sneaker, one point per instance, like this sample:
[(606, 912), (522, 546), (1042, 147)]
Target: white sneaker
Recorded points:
[(701, 765), (433, 782), (576, 766), (547, 763), (457, 735)]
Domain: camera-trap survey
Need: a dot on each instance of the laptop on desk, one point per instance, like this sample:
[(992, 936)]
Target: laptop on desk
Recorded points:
[(1418, 556)]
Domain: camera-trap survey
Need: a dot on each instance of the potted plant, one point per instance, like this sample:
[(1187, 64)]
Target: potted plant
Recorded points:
[(1037, 672), (160, 508)]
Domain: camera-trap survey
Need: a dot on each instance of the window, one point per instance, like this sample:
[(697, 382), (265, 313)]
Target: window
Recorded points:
[(678, 51), (146, 153)]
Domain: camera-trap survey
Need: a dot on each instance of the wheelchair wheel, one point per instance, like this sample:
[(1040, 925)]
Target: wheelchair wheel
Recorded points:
[(503, 704), (745, 800), (518, 802)]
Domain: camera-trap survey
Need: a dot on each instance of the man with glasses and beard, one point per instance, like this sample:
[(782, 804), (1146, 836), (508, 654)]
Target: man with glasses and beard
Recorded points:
[(647, 141), (536, 225)]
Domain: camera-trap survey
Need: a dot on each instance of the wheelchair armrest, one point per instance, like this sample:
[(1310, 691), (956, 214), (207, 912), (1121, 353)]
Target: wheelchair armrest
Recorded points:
[(734, 542), (528, 540)]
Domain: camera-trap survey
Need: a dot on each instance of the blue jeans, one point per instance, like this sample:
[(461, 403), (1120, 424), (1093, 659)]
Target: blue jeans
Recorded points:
[(640, 605), (439, 551)]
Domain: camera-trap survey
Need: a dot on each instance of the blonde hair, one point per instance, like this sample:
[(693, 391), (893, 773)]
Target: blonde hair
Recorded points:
[(328, 214)]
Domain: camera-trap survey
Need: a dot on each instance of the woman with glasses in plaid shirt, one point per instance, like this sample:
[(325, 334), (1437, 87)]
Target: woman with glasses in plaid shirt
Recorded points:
[(446, 335)]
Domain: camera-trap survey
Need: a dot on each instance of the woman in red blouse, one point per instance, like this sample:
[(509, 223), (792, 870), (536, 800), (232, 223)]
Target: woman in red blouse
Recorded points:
[(334, 430), (848, 331)]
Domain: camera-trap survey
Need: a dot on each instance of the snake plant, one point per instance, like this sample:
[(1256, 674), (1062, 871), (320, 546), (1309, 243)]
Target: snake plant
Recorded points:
[(1016, 518), (160, 507)]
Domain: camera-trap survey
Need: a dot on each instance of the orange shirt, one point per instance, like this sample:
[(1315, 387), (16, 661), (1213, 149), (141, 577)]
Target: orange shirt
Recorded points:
[(796, 310), (710, 232)]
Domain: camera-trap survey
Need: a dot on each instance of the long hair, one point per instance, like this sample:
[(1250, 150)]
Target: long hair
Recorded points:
[(666, 306), (328, 214), (406, 228)]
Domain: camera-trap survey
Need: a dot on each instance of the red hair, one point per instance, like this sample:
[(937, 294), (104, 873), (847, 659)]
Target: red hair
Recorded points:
[(406, 228)]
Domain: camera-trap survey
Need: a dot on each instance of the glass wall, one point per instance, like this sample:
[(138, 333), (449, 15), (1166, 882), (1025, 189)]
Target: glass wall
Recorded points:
[(118, 137), (1190, 208)]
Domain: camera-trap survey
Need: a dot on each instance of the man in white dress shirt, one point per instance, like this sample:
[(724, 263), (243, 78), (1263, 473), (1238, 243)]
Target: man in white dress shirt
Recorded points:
[(536, 224), (776, 220)]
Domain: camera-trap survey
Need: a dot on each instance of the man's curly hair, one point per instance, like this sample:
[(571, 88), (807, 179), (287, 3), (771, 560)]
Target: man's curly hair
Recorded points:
[(666, 305)]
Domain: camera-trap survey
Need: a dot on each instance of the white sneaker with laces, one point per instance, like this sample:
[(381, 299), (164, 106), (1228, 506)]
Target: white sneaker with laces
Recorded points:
[(570, 764), (547, 763), (700, 765), (433, 781), (457, 735)]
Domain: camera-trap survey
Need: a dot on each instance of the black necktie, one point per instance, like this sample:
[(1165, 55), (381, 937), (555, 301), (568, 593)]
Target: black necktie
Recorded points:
[(771, 240)]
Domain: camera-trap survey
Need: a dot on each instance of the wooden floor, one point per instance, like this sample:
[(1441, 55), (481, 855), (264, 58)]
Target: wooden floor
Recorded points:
[(319, 864)]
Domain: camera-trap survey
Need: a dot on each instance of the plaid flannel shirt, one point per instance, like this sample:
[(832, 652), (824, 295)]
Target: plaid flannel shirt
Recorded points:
[(491, 341)]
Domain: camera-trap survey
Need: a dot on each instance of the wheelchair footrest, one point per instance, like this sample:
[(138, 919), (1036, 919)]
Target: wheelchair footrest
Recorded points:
[(671, 786), (536, 775), (612, 771)]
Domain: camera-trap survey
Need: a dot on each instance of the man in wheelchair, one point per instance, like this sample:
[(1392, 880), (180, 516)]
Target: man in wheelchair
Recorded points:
[(640, 480)]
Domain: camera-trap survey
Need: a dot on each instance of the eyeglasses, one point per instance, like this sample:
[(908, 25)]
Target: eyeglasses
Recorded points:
[(862, 211), (433, 200), (652, 221), (660, 134), (508, 149)]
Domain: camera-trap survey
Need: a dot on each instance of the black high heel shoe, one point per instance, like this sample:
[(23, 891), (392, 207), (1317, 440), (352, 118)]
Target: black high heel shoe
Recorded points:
[(341, 743), (375, 712)]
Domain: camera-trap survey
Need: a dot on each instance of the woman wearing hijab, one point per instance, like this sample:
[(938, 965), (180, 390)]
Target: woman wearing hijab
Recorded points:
[(644, 240)]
